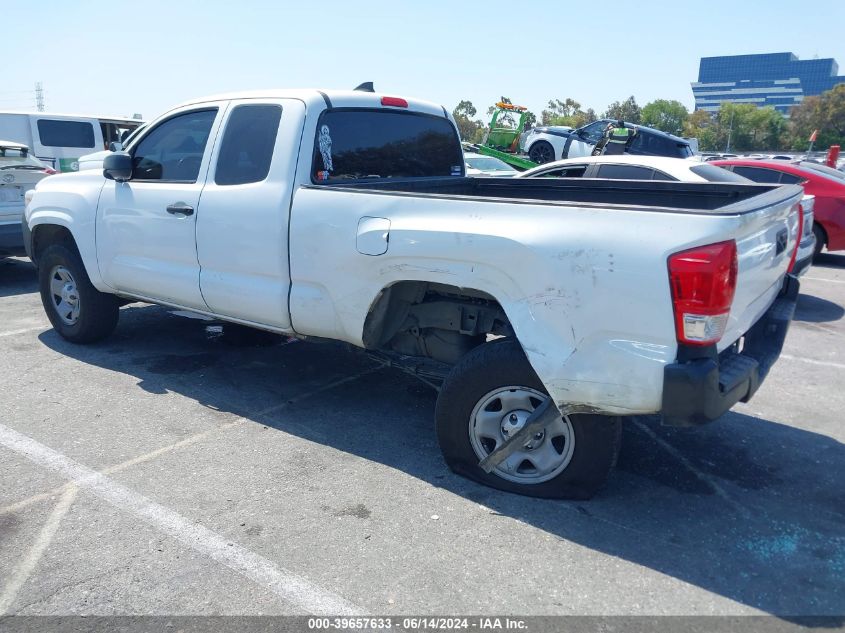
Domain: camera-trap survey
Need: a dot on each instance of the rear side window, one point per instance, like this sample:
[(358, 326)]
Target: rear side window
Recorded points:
[(654, 145), (173, 149), (712, 173), (57, 133), (758, 174), (625, 172), (354, 144), (247, 147), (789, 179)]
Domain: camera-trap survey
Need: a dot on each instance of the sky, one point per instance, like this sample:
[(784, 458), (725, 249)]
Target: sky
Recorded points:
[(121, 58)]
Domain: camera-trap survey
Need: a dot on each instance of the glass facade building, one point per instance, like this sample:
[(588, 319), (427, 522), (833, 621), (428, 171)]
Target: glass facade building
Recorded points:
[(780, 80)]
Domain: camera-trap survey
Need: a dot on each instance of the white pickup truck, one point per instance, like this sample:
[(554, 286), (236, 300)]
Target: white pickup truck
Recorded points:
[(548, 308)]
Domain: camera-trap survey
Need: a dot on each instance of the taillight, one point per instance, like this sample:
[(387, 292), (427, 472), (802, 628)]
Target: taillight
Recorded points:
[(703, 282), (797, 237), (394, 101), (50, 171)]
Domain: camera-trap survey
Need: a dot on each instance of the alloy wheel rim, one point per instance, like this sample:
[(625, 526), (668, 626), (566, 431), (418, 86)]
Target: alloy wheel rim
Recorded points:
[(64, 295)]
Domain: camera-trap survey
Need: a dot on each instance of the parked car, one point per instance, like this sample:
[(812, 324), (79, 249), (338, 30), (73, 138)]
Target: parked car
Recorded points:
[(547, 142), (348, 216), (59, 139), (95, 159), (671, 169), (19, 172), (828, 190), (481, 165), (544, 147)]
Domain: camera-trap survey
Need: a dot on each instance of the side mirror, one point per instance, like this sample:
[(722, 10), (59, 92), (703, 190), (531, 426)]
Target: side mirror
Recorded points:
[(115, 146), (118, 167)]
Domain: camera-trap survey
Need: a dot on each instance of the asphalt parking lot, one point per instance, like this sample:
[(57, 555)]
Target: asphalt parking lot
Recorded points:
[(208, 476)]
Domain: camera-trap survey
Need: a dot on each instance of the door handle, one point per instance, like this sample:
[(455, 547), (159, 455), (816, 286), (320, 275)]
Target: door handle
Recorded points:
[(180, 207)]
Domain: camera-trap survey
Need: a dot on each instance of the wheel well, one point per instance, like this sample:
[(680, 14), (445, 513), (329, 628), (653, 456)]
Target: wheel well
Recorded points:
[(45, 235), (430, 320)]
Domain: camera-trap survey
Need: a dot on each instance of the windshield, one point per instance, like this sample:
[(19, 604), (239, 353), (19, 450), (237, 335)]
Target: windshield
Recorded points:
[(355, 144), (14, 158), (488, 163), (712, 173)]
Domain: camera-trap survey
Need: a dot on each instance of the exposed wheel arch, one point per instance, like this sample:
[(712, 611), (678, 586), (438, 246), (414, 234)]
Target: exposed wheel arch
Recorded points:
[(45, 235), (432, 320)]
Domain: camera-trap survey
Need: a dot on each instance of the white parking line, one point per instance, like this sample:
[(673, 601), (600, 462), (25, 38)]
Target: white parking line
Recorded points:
[(25, 568), (833, 281), (810, 361), (24, 330), (191, 439), (287, 585)]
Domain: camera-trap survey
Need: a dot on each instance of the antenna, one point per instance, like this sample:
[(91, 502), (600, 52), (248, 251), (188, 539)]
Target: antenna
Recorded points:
[(367, 86), (39, 97)]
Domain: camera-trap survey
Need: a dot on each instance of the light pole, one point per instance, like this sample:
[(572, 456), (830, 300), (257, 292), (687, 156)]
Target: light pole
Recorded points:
[(730, 131)]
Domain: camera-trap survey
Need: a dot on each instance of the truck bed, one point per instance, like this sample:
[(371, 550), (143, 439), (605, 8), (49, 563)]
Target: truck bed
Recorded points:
[(713, 198)]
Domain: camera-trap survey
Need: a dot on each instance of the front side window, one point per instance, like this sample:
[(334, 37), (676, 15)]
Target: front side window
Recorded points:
[(247, 147), (593, 132), (355, 144), (572, 171), (58, 133), (173, 150)]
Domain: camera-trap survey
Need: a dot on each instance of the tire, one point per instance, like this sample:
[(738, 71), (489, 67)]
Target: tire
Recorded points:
[(821, 238), (585, 446), (541, 152), (77, 310)]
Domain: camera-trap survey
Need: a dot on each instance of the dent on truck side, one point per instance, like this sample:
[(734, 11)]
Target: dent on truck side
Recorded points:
[(589, 305), (70, 201)]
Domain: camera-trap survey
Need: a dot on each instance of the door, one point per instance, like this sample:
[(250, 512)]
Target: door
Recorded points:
[(146, 228), (242, 227), (583, 140)]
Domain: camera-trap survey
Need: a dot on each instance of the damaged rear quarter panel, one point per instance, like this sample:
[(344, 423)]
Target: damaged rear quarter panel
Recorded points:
[(585, 289)]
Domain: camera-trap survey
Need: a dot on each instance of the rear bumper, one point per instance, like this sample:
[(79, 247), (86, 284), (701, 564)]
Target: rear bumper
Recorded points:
[(699, 390), (11, 239)]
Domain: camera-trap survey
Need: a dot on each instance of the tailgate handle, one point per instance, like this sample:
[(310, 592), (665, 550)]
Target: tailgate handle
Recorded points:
[(780, 243)]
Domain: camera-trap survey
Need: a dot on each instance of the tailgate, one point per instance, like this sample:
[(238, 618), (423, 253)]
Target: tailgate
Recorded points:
[(765, 240)]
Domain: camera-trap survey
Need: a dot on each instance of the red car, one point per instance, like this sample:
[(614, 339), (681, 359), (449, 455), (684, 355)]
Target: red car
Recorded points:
[(825, 183)]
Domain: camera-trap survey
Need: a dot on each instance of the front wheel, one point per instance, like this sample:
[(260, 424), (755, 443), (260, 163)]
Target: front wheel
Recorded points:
[(488, 396), (77, 310), (541, 152)]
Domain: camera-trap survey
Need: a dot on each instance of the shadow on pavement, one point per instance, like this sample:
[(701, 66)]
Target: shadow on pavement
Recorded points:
[(17, 277), (829, 260), (747, 508), (817, 310)]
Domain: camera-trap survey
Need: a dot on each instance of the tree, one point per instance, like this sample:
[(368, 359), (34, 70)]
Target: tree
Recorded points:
[(467, 127), (628, 111), (567, 112), (740, 127), (668, 116), (558, 110), (825, 113)]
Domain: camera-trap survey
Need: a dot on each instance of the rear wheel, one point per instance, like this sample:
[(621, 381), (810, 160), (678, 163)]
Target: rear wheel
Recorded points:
[(488, 396), (77, 310), (541, 152), (821, 238)]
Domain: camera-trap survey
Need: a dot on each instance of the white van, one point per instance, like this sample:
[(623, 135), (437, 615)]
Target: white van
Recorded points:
[(60, 139)]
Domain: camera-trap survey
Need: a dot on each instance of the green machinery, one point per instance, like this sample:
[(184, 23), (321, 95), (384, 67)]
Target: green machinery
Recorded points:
[(502, 141)]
